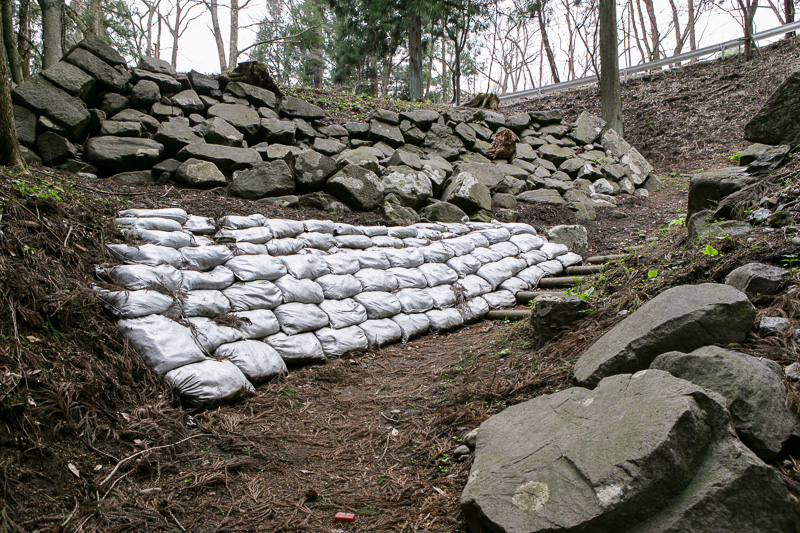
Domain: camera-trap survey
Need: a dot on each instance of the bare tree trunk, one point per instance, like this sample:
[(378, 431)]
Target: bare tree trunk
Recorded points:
[(414, 56), (158, 37), (213, 11), (788, 9), (24, 37), (9, 144), (609, 66), (748, 8), (52, 24), (176, 33), (96, 17), (644, 32), (457, 76), (233, 43), (691, 23), (14, 59), (546, 42), (651, 14), (676, 23)]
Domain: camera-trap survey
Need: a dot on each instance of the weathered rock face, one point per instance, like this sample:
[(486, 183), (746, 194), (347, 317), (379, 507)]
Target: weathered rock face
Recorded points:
[(576, 238), (565, 462), (123, 153), (312, 170), (273, 178), (758, 280), (753, 388), (45, 98), (358, 187), (202, 174), (706, 189), (778, 122), (551, 312), (412, 187), (680, 319), (467, 193)]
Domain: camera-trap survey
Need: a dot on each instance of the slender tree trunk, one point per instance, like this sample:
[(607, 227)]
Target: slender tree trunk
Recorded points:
[(414, 56), (788, 9), (691, 23), (457, 75), (651, 14), (96, 17), (676, 23), (234, 40), (52, 24), (644, 32), (749, 8), (24, 37), (9, 144), (158, 37), (213, 11), (14, 59), (176, 33), (546, 43), (609, 66)]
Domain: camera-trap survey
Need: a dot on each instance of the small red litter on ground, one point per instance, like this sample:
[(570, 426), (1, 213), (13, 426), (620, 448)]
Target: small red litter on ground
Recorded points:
[(343, 517)]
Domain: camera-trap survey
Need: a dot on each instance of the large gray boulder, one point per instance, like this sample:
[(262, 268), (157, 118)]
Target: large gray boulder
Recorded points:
[(278, 131), (217, 130), (388, 133), (243, 118), (646, 452), (443, 212), (356, 186), (295, 108), (758, 280), (576, 238), (227, 158), (270, 178), (682, 319), (46, 99), (636, 165), (123, 153), (421, 118), (189, 101), (778, 121), (107, 77), (25, 122), (752, 387), (550, 312), (467, 193), (706, 189), (70, 78), (201, 174), (166, 83), (587, 128), (487, 173), (145, 93), (412, 187), (312, 169), (54, 148), (176, 133), (255, 95), (100, 48), (441, 141), (154, 64), (541, 196), (202, 83)]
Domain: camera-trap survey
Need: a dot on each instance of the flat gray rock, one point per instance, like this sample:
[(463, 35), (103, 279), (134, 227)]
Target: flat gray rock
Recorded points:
[(107, 76), (295, 108), (541, 196), (706, 189), (201, 174), (641, 453), (758, 280), (244, 118), (123, 153), (227, 158), (255, 95), (70, 78), (778, 121), (270, 178), (41, 96), (466, 192), (312, 169), (681, 319), (412, 187), (356, 186)]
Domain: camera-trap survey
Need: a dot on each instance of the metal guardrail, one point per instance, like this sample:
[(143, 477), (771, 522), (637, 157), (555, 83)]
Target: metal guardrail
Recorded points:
[(624, 72)]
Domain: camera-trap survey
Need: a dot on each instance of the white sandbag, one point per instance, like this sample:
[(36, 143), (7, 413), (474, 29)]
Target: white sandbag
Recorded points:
[(501, 298), (200, 225), (148, 254), (210, 335), (384, 241), (346, 229), (438, 274), (338, 287), (255, 267), (505, 249), (534, 257), (442, 320), (373, 279), (429, 234), (406, 257), (402, 232), (163, 343), (241, 222), (256, 235), (443, 296), (375, 231), (356, 242), (256, 324), (138, 277), (478, 226), (202, 303), (486, 255), (435, 226), (171, 239), (552, 267), (342, 263), (248, 248), (456, 228), (319, 226), (514, 264), (408, 278), (473, 310), (478, 238), (436, 252), (282, 229), (411, 326), (464, 265), (132, 304), (306, 266), (553, 249), (527, 242), (344, 313), (460, 245), (531, 275), (495, 273), (286, 246), (293, 349), (219, 278), (569, 259), (515, 284), (261, 294), (496, 235), (474, 285), (209, 383), (414, 300), (412, 242), (303, 291), (319, 241), (205, 257), (173, 213), (519, 228), (339, 342), (381, 332), (258, 361), (202, 240), (372, 259), (153, 223), (297, 318), (379, 304)]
